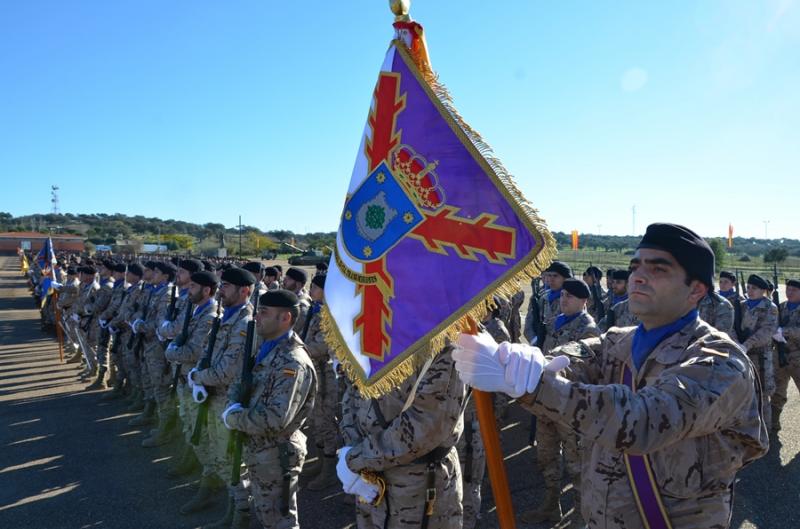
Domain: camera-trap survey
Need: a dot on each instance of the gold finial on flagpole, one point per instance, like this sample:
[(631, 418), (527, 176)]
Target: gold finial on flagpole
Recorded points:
[(400, 9)]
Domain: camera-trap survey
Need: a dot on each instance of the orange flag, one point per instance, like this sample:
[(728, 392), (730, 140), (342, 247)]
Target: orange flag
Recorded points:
[(574, 239), (730, 235)]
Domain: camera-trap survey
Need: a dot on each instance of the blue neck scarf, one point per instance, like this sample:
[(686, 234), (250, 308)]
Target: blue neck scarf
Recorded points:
[(753, 303), (553, 295), (644, 341), (202, 307), (316, 306), (159, 288), (618, 299), (562, 319), (230, 311), (183, 292), (119, 283), (268, 346), (792, 306), (727, 293)]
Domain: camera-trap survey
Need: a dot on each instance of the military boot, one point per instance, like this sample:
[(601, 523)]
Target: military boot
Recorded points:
[(98, 382), (162, 434), (241, 519), (75, 358), (203, 497), (225, 521), (187, 463), (87, 373), (117, 393), (112, 374), (147, 415), (136, 401), (327, 476), (549, 510), (775, 425), (310, 471)]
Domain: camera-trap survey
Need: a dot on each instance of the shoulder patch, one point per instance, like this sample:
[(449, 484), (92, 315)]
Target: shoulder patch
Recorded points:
[(242, 333), (289, 372)]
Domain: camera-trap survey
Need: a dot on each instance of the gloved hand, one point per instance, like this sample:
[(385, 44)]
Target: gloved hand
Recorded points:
[(136, 324), (103, 323), (172, 347), (199, 393), (230, 409), (165, 324), (160, 338), (778, 336), (346, 476), (364, 490), (55, 285), (112, 330), (336, 365), (74, 317), (190, 376)]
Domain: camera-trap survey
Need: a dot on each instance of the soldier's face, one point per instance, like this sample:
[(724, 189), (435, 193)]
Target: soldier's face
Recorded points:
[(619, 287), (197, 292), (753, 292), (183, 277), (657, 289), (556, 281), (131, 278), (316, 293), (588, 279), (725, 283), (272, 322), (570, 304), (289, 284), (148, 275), (793, 294)]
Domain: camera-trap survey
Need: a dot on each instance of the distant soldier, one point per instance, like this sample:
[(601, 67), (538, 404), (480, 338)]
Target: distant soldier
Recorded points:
[(67, 297), (669, 411), (295, 281), (271, 278), (717, 311), (727, 287), (99, 337), (82, 317), (554, 277), (284, 386), (116, 368), (121, 331), (618, 312), (592, 276), (257, 269), (759, 323), (789, 333)]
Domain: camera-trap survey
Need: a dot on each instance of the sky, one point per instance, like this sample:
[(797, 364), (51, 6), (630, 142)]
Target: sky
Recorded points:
[(203, 111)]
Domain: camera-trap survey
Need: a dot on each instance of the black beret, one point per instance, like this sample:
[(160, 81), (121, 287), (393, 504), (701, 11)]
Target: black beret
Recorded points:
[(577, 288), (271, 271), (174, 260), (319, 280), (119, 267), (594, 272), (297, 274), (191, 265), (166, 268), (254, 267), (87, 269), (279, 268), (136, 269), (610, 271), (690, 250), (279, 298), (757, 281), (793, 283), (620, 275), (322, 266), (208, 266), (238, 276), (770, 286), (727, 275), (150, 264), (560, 268), (89, 261), (71, 271), (205, 278), (108, 263)]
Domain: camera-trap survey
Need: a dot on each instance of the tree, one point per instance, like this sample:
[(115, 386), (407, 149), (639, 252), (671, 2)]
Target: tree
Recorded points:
[(776, 255), (718, 247)]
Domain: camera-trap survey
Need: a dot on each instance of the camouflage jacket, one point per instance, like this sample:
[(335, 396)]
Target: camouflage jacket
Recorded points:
[(284, 387), (696, 415), (68, 295), (514, 323), (790, 323), (136, 296), (759, 323), (618, 316), (305, 304), (101, 297), (497, 329), (315, 340), (189, 354), (171, 328), (382, 436), (118, 294), (580, 328), (228, 353), (86, 294), (156, 311), (717, 311)]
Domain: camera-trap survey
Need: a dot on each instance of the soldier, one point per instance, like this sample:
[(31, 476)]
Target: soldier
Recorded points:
[(226, 367), (670, 409), (271, 278), (789, 333), (759, 323), (121, 331), (82, 318), (98, 336), (727, 287), (118, 293), (171, 327), (592, 276), (295, 281), (572, 324), (408, 439), (717, 311), (257, 269), (284, 384), (185, 352), (324, 421), (67, 296), (554, 277), (618, 312)]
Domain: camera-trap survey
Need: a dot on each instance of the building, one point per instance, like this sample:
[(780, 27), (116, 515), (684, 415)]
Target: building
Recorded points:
[(11, 241)]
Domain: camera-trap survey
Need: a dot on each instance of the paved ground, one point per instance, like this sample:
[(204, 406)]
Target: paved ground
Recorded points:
[(69, 460)]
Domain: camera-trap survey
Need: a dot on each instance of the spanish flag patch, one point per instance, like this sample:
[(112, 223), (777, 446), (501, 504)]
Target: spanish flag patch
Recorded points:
[(289, 372), (242, 333)]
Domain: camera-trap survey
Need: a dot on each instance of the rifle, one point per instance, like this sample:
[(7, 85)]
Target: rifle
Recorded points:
[(539, 328), (180, 340), (597, 298), (205, 363), (139, 344), (783, 361), (745, 333), (245, 390), (737, 312), (171, 312)]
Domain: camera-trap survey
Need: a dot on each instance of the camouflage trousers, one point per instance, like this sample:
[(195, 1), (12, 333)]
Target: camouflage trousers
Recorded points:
[(158, 371), (324, 422), (220, 461), (133, 371), (782, 377), (187, 410), (266, 481), (550, 439), (101, 339), (762, 360), (472, 456), (404, 503)]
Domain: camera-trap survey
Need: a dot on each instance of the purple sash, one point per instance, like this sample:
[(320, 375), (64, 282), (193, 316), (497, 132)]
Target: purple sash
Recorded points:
[(643, 481)]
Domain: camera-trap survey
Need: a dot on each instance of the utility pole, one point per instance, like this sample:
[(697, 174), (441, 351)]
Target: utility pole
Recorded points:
[(54, 199), (240, 235), (633, 219), (766, 223)]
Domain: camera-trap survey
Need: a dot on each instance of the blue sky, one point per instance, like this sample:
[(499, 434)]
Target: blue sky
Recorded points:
[(203, 111)]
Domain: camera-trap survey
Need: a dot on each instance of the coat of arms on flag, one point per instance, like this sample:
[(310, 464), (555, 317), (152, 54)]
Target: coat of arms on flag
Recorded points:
[(432, 227)]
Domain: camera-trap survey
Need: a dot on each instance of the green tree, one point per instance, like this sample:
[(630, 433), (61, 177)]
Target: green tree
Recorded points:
[(720, 255), (776, 255)]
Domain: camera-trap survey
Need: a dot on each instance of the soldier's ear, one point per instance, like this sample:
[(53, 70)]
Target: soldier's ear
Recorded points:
[(698, 291)]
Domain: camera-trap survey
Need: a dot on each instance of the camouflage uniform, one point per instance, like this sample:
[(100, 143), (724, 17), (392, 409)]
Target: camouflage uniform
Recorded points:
[(284, 384), (695, 415), (323, 418), (225, 369), (305, 305), (403, 446), (717, 311), (137, 295), (169, 329), (155, 365), (790, 323), (618, 316), (185, 357), (759, 324), (514, 322), (118, 294), (81, 307), (97, 304), (66, 300)]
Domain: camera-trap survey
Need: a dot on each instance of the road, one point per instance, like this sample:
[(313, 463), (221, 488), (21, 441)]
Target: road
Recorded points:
[(69, 460)]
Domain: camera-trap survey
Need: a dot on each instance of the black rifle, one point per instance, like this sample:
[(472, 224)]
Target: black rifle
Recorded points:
[(737, 312), (181, 340), (171, 312), (205, 363), (783, 351), (139, 344), (745, 333), (597, 297), (245, 391), (539, 328)]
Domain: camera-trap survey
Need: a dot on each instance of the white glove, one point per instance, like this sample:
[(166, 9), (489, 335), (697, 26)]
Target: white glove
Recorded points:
[(346, 476), (364, 490), (160, 338), (778, 336), (103, 323), (199, 393), (230, 409), (172, 347), (136, 324), (336, 367), (190, 376), (165, 324), (112, 330), (56, 286), (75, 318)]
